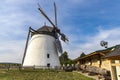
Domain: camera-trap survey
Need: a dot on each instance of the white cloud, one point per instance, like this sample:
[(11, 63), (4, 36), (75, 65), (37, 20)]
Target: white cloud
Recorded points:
[(12, 51), (112, 36), (16, 16), (13, 22)]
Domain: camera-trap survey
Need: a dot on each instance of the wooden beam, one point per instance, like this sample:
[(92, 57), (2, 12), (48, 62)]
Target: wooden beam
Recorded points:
[(26, 45), (114, 58), (115, 64), (102, 54)]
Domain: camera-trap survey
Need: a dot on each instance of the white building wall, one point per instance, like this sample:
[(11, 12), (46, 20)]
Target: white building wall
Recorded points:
[(39, 46)]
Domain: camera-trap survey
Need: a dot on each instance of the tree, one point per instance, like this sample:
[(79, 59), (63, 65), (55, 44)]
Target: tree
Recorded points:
[(82, 54), (64, 59)]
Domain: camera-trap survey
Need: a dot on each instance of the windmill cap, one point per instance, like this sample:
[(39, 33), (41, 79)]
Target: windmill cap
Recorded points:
[(47, 30)]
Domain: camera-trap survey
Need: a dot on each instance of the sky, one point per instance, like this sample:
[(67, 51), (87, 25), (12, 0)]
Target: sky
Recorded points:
[(84, 22)]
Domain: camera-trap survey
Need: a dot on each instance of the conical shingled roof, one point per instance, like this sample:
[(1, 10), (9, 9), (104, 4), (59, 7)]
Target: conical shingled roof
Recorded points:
[(45, 29)]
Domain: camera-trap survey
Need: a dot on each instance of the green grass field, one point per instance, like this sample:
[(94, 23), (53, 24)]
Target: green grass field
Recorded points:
[(40, 75)]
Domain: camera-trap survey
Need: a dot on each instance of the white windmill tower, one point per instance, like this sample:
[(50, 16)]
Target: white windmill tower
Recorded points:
[(43, 47)]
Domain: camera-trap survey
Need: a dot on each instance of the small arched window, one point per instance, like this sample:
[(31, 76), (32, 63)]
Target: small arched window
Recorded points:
[(48, 55)]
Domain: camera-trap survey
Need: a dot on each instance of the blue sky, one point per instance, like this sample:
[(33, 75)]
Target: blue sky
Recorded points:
[(85, 22)]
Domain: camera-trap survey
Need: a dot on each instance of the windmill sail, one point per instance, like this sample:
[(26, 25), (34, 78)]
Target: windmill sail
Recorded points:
[(43, 13), (58, 45), (63, 37), (55, 10)]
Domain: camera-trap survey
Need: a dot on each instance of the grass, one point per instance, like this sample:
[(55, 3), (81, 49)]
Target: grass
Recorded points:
[(40, 75)]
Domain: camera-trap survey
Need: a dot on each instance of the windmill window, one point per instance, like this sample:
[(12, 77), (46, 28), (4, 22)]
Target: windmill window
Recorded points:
[(48, 65), (48, 55)]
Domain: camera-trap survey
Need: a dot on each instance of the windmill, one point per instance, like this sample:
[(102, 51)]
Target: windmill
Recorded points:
[(104, 44), (43, 47)]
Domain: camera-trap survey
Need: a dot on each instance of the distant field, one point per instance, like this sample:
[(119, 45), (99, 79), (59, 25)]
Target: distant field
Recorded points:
[(40, 75)]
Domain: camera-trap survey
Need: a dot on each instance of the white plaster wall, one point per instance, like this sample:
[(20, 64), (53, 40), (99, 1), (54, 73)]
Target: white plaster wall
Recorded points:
[(39, 46)]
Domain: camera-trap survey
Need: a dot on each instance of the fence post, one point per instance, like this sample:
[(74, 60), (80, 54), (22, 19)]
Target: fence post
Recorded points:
[(34, 67), (8, 67)]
